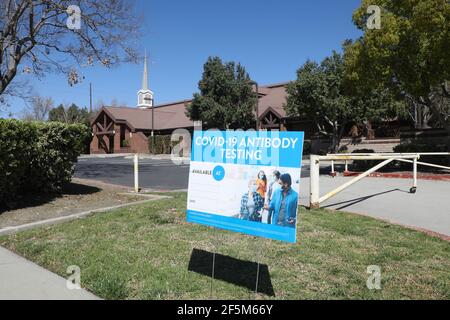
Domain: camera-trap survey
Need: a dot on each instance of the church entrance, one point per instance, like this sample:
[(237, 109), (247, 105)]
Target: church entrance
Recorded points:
[(270, 120), (111, 144), (104, 133)]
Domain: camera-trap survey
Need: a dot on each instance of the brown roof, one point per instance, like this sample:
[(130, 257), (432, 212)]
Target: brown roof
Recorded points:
[(136, 118), (275, 100), (172, 115)]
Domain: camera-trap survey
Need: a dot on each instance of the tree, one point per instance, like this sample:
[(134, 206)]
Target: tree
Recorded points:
[(70, 115), (226, 99), (74, 115), (39, 109), (317, 95), (440, 106), (409, 54), (320, 94), (58, 35)]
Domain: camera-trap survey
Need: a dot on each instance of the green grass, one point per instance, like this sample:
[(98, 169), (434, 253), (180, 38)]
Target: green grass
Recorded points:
[(142, 252)]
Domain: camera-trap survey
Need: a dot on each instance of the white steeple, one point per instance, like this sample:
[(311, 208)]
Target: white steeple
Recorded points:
[(145, 96)]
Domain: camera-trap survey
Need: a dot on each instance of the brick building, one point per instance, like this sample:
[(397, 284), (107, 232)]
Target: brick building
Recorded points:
[(125, 129)]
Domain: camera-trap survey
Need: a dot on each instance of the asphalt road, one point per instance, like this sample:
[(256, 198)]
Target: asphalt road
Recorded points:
[(383, 198), (155, 174), (160, 174)]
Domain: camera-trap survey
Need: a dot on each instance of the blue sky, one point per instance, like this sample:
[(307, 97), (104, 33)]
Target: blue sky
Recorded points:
[(270, 38)]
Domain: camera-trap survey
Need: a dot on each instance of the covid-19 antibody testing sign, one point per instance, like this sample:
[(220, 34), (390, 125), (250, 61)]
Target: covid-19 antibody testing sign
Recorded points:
[(246, 181)]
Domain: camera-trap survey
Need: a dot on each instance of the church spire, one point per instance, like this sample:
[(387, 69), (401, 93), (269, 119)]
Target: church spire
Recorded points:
[(145, 96), (145, 76)]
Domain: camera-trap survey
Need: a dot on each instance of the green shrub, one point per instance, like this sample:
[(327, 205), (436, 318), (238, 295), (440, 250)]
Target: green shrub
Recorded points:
[(307, 147), (420, 146), (163, 145), (125, 143), (37, 157), (363, 165)]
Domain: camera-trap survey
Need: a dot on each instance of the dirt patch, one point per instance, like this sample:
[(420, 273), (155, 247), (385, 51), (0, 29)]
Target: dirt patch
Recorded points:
[(76, 197)]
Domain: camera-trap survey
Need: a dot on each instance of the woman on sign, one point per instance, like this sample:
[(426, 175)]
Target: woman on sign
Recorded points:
[(251, 203), (273, 185), (261, 182)]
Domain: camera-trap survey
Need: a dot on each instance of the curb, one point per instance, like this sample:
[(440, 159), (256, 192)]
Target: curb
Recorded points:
[(131, 156), (48, 222), (443, 177)]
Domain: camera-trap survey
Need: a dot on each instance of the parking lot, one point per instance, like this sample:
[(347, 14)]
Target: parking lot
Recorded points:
[(154, 174)]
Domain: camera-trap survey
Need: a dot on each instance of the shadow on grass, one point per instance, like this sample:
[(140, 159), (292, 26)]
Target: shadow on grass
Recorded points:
[(231, 270), (29, 200)]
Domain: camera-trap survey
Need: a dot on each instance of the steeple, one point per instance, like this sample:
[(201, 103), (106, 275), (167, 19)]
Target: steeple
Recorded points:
[(145, 96), (145, 76)]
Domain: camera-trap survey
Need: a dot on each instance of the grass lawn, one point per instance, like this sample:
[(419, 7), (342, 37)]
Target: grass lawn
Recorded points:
[(143, 252)]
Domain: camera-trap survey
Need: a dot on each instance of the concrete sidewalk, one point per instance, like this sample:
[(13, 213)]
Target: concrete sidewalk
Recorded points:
[(21, 279)]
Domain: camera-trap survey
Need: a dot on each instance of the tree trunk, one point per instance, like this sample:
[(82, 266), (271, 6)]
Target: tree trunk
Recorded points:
[(335, 139)]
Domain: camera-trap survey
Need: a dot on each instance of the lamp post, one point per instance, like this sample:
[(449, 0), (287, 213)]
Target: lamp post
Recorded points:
[(257, 103), (153, 125)]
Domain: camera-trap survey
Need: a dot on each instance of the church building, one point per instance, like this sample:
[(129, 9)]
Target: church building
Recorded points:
[(129, 129)]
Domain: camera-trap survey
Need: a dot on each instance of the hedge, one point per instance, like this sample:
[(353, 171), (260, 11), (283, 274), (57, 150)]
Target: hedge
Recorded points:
[(37, 156), (363, 165), (421, 146), (163, 144)]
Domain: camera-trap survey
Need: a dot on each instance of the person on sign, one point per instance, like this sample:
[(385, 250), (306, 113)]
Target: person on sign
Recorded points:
[(283, 206), (273, 185), (261, 182), (251, 203)]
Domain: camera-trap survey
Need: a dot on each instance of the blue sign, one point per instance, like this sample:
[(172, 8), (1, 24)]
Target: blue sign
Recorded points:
[(246, 181)]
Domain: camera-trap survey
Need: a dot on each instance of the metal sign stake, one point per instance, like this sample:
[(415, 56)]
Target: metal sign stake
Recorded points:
[(258, 257), (213, 263)]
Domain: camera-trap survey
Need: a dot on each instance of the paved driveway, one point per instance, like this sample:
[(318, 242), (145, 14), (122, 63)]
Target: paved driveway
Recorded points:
[(386, 198), (382, 198), (153, 173)]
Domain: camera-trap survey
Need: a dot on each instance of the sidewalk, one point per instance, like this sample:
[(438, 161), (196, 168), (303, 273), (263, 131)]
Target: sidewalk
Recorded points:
[(21, 279), (403, 175)]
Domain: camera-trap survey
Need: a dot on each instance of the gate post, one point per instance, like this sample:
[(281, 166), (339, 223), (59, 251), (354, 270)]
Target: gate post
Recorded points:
[(414, 187), (314, 182), (136, 173)]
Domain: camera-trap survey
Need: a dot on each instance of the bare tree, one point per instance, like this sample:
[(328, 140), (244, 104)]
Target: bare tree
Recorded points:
[(98, 105), (114, 103), (38, 109), (39, 36)]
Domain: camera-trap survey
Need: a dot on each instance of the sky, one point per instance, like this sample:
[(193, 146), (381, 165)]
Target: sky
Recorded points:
[(270, 38)]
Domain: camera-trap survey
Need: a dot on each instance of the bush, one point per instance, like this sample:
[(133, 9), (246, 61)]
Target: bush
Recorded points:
[(37, 157), (424, 147), (363, 165), (163, 145), (306, 147)]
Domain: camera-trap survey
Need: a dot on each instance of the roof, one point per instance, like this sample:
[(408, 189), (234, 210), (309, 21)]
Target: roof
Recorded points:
[(172, 115), (275, 100)]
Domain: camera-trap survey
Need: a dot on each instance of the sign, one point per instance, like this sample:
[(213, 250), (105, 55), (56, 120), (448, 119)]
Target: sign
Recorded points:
[(246, 181)]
